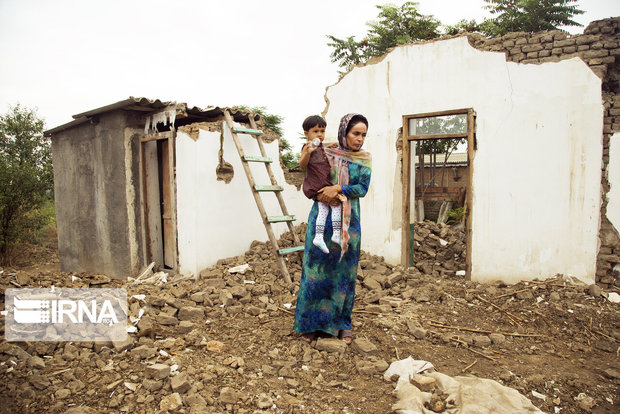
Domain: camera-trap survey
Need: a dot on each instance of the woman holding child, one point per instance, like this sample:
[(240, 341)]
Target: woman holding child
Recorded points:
[(331, 256)]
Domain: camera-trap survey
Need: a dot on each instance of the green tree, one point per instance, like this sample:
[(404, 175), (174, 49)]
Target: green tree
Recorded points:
[(394, 26), (530, 15), (25, 176), (273, 122)]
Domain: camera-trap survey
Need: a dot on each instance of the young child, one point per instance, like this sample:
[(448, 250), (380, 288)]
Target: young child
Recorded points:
[(314, 160)]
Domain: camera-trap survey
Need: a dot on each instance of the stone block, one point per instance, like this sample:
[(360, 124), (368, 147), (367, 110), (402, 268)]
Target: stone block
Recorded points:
[(158, 371), (188, 313), (363, 346), (423, 382), (586, 39), (482, 340), (171, 402), (331, 345), (564, 43), (180, 383)]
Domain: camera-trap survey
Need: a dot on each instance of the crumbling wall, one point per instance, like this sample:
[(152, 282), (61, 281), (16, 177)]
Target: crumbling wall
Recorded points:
[(216, 219), (599, 48), (544, 121)]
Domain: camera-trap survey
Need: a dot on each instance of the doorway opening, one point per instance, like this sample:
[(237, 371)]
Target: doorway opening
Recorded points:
[(159, 199), (438, 150)]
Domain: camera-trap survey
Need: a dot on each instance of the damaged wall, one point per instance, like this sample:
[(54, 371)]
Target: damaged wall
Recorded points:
[(613, 175), (215, 219), (538, 131)]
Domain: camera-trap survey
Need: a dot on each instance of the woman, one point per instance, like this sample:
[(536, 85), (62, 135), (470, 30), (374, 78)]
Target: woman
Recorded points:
[(327, 287)]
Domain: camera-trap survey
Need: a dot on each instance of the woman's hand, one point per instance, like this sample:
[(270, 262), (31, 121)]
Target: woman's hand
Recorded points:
[(329, 195)]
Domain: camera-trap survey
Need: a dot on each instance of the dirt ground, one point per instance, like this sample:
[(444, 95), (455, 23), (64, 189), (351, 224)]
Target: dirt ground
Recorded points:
[(226, 344)]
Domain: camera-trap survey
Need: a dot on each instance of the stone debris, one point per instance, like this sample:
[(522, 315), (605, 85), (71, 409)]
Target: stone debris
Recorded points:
[(223, 342)]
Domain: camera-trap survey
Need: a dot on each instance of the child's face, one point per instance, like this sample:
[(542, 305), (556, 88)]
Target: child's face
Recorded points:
[(315, 132)]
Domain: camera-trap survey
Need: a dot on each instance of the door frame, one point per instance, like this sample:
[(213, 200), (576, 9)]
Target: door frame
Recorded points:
[(159, 236), (406, 180)]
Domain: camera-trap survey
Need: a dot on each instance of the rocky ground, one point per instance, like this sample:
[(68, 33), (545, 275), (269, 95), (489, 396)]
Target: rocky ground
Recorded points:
[(224, 342)]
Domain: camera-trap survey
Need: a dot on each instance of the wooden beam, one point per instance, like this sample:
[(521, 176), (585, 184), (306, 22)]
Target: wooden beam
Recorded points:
[(154, 137), (468, 217), (406, 191), (436, 136), (439, 113)]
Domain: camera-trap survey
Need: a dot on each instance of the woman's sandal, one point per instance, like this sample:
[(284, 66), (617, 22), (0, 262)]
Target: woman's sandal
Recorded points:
[(346, 336), (308, 337)]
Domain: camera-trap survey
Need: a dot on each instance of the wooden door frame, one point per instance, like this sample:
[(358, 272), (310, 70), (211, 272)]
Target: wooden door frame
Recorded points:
[(170, 140), (406, 180)]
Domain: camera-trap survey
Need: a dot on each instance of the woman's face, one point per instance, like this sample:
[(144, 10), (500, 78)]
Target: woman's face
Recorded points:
[(356, 136)]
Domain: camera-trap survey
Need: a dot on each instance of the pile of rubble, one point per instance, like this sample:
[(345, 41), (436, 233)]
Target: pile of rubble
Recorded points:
[(224, 342), (439, 249)]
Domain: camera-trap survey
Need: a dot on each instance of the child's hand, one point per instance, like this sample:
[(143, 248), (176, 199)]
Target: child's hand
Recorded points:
[(308, 149)]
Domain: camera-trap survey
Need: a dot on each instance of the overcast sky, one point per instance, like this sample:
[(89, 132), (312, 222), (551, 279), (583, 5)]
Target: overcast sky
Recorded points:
[(69, 56)]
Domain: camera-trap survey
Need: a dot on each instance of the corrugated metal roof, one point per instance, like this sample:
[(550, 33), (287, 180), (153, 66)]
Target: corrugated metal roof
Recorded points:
[(454, 158), (146, 105)]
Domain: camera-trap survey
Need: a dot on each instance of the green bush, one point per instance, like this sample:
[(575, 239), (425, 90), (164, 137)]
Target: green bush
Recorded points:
[(455, 215)]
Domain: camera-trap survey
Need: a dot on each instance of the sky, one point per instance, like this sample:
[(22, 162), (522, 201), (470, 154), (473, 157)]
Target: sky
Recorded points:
[(65, 57)]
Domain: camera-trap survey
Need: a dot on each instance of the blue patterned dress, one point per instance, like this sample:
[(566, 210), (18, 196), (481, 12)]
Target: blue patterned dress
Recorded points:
[(327, 287)]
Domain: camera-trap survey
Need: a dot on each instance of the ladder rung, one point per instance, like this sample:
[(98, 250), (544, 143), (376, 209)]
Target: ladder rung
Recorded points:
[(268, 188), (291, 249), (247, 130), (256, 158), (280, 219)]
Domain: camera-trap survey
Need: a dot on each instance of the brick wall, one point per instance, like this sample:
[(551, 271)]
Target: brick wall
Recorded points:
[(599, 47)]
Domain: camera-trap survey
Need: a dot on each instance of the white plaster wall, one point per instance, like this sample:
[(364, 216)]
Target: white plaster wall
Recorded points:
[(536, 179), (613, 176), (218, 220)]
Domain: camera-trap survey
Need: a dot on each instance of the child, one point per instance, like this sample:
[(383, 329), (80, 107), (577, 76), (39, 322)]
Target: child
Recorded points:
[(314, 160)]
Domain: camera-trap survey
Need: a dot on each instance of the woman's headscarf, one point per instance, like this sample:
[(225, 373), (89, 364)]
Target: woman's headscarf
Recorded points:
[(339, 159)]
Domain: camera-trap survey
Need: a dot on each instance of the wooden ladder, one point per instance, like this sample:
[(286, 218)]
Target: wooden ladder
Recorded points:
[(275, 188)]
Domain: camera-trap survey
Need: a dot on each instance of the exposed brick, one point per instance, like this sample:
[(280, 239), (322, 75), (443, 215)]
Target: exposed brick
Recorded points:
[(544, 53), (602, 61), (529, 61), (547, 37), (520, 41), (564, 43), (588, 54), (518, 57), (508, 43), (615, 52), (614, 111), (569, 49), (596, 45), (585, 39), (582, 48), (531, 48), (610, 45), (549, 59), (532, 55), (556, 50), (599, 70)]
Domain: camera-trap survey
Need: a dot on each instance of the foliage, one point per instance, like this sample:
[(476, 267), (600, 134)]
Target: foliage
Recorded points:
[(394, 26), (530, 15), (273, 122), (455, 215), (405, 24), (25, 176)]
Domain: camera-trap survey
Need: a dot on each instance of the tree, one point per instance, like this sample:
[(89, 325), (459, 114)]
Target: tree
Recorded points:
[(394, 26), (273, 122), (530, 15), (25, 176)]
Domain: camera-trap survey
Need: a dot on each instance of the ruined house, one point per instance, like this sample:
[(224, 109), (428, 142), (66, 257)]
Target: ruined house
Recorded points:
[(541, 116), (142, 181)]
